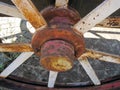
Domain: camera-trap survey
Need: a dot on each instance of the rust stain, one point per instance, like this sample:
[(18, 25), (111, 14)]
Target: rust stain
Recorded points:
[(64, 15), (67, 34), (114, 22), (83, 22), (100, 56), (58, 44), (30, 12), (110, 22), (56, 63), (15, 47), (57, 55)]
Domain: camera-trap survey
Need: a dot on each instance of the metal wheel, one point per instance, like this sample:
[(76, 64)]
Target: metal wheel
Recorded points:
[(59, 42)]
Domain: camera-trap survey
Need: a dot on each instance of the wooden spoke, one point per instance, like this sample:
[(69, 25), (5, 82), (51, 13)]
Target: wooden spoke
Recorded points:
[(89, 70), (97, 15), (15, 64), (15, 47), (30, 12), (101, 56), (110, 22), (61, 3), (9, 9), (52, 79)]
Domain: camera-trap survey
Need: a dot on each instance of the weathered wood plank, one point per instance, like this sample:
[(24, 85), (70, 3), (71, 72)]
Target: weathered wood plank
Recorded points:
[(10, 10), (61, 3), (89, 70), (15, 64), (15, 47), (97, 55), (110, 22), (97, 15), (30, 12), (52, 78)]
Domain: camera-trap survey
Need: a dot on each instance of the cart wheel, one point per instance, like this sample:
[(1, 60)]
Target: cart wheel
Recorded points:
[(60, 41)]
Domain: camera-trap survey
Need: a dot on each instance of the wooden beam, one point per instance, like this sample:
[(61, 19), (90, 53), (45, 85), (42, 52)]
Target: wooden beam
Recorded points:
[(97, 55), (52, 79), (97, 15), (89, 70), (30, 12), (61, 3), (110, 22), (15, 64), (15, 47), (10, 10)]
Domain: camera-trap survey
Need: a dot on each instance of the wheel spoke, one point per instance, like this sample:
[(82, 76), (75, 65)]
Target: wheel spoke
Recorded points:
[(97, 15), (16, 63), (101, 56), (110, 22), (52, 79), (30, 12), (15, 47), (9, 9), (61, 3), (89, 70)]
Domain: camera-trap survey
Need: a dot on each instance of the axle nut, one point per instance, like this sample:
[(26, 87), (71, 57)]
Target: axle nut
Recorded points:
[(57, 55)]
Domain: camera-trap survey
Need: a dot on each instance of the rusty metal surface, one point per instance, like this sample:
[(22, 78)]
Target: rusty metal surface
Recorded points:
[(59, 21), (57, 55), (64, 15), (41, 36)]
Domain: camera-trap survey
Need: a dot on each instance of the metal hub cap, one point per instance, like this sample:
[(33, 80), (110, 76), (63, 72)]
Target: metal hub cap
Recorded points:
[(58, 44), (57, 55)]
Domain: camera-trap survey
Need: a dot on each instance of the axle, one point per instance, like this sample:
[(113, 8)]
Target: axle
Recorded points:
[(57, 44), (57, 55)]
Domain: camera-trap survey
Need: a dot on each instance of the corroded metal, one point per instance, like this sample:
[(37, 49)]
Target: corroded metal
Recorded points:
[(57, 55), (60, 21), (68, 35), (58, 34), (60, 15)]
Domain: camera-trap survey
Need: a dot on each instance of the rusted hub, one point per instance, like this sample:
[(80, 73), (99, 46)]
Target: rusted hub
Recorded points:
[(55, 15), (67, 34), (57, 55), (50, 41)]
